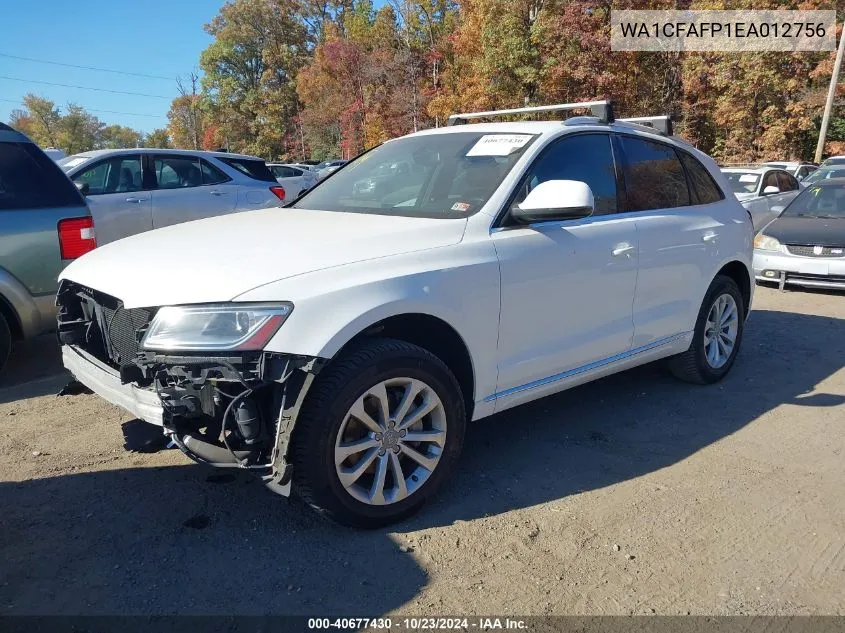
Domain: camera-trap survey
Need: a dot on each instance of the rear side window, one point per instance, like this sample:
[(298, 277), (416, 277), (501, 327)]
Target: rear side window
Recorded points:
[(177, 172), (255, 169), (704, 188), (654, 176), (211, 175), (30, 180)]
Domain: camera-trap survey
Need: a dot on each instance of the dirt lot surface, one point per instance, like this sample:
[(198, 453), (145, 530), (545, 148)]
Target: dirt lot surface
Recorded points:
[(635, 494)]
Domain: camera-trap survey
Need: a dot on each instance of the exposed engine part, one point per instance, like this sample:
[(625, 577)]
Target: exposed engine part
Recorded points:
[(249, 421)]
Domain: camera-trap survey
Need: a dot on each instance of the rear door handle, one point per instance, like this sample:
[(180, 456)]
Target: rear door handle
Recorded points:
[(215, 192), (622, 249), (710, 238), (137, 200)]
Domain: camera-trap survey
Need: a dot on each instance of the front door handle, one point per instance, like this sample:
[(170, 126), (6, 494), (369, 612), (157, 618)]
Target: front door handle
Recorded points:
[(622, 249), (710, 237)]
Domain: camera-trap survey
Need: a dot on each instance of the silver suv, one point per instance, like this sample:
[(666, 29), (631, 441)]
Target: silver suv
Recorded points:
[(135, 190), (44, 224)]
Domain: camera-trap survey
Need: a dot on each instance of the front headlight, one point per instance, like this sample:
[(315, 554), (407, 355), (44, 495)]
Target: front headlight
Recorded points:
[(219, 327), (766, 243)]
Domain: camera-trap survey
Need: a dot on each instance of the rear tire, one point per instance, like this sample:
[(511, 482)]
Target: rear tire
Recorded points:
[(5, 342), (717, 336), (381, 428)]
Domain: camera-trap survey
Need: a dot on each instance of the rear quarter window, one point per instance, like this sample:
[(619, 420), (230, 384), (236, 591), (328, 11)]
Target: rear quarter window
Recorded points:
[(31, 180), (703, 188), (255, 169)]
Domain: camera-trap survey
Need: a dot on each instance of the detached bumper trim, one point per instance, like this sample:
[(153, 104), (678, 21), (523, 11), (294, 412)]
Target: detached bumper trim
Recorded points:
[(105, 382)]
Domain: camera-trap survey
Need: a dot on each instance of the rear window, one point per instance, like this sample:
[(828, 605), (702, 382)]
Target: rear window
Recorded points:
[(256, 169), (30, 180)]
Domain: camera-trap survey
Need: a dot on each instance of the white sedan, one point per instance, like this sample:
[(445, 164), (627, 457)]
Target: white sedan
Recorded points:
[(294, 179)]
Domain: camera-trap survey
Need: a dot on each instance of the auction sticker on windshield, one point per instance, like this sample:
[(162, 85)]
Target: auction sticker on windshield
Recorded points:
[(498, 144)]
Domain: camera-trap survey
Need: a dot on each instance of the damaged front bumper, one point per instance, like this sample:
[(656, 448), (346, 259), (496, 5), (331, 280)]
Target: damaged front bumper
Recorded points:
[(230, 409)]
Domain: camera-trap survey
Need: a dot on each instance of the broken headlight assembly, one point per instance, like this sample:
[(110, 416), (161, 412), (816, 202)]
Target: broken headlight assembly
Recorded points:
[(216, 327)]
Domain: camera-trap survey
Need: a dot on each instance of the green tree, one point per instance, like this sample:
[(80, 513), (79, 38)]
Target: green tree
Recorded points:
[(118, 137), (157, 138)]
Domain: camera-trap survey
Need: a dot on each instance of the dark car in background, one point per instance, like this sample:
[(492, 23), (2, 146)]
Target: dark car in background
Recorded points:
[(805, 244), (44, 223)]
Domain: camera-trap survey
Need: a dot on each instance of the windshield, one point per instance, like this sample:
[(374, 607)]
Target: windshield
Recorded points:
[(824, 174), (436, 175), (819, 201), (838, 160), (69, 162), (742, 183)]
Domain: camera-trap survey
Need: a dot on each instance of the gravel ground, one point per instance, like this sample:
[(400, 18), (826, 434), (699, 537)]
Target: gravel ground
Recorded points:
[(635, 494)]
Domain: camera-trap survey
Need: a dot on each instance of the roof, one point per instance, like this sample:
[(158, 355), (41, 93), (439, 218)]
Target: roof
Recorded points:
[(96, 153)]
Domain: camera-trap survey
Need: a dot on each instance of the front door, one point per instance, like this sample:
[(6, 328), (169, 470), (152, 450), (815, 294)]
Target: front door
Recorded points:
[(567, 286), (119, 204)]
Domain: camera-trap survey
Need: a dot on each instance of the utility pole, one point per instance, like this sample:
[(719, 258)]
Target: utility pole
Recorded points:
[(831, 93)]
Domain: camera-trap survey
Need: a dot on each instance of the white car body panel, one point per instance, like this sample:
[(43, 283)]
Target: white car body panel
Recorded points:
[(118, 215), (763, 208), (540, 308), (280, 243)]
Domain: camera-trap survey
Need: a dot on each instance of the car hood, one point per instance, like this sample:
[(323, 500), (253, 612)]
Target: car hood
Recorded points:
[(808, 231), (217, 259)]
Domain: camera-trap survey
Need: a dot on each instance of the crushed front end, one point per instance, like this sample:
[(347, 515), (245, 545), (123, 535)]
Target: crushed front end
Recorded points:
[(227, 408)]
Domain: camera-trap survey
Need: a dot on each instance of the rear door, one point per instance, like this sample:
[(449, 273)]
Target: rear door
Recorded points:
[(678, 239), (119, 202), (189, 188)]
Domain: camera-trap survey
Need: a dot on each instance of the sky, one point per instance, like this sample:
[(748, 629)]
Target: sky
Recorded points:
[(153, 37)]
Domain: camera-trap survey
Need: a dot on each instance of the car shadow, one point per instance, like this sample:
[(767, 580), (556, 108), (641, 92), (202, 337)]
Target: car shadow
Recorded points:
[(34, 369), (185, 539)]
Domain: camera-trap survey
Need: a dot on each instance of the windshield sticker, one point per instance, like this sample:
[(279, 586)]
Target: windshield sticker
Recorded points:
[(748, 178), (461, 206), (498, 144)]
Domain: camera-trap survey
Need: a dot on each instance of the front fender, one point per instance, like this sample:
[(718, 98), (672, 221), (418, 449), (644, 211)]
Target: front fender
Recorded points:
[(459, 285)]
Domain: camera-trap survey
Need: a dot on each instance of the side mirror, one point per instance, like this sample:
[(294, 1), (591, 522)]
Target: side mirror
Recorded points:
[(555, 200), (83, 187), (770, 190)]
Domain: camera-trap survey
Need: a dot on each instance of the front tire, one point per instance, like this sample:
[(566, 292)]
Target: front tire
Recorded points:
[(5, 342), (717, 336), (382, 426)]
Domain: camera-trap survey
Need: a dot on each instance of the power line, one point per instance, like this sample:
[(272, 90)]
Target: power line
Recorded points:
[(102, 70), (117, 92), (155, 116)]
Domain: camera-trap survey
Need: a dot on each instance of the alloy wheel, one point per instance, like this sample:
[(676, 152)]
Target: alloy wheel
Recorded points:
[(720, 331)]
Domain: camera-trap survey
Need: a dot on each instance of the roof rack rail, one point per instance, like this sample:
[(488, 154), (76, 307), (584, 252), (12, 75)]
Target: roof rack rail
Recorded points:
[(662, 124), (601, 109)]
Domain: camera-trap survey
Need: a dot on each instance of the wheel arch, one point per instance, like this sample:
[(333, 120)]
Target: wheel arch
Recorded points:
[(739, 272), (432, 333)]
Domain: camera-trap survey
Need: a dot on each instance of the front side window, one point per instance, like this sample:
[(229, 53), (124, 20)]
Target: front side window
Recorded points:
[(818, 201), (444, 175), (770, 180), (654, 176), (584, 157), (119, 174), (786, 182)]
